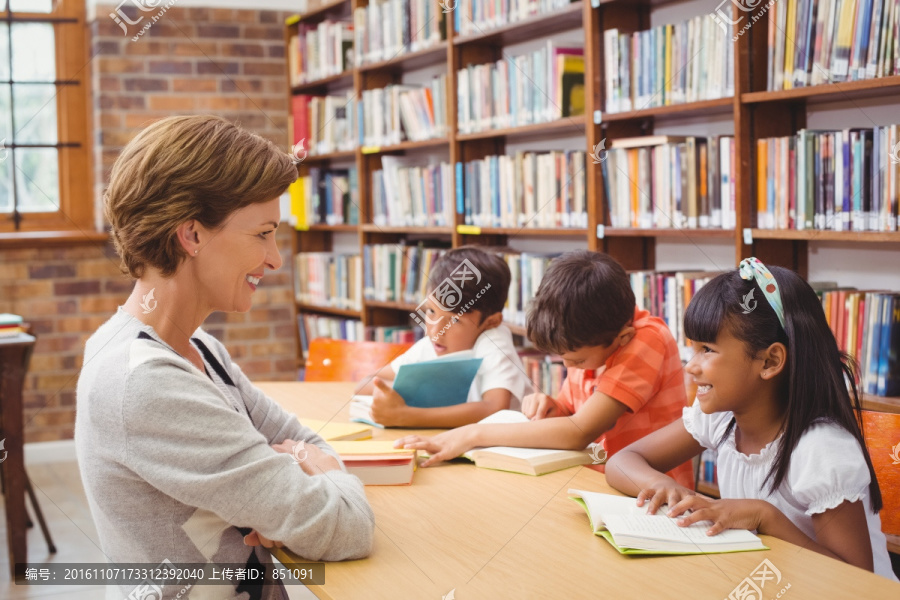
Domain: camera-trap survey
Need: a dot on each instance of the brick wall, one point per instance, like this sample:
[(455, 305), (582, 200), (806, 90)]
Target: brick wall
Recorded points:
[(193, 60)]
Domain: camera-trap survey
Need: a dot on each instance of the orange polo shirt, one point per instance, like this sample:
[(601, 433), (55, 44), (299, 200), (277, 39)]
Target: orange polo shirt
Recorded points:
[(647, 377)]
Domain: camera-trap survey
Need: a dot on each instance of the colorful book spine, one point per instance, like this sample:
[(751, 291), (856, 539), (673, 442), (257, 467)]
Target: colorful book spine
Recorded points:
[(328, 279), (386, 29), (398, 113), (325, 124), (396, 273), (406, 195), (326, 197), (475, 17)]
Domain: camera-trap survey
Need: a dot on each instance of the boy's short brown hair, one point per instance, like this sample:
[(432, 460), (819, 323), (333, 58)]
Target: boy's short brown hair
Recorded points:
[(584, 299), (184, 168), (484, 291)]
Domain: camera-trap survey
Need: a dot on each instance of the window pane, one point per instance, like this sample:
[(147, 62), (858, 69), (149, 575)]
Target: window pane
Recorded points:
[(35, 6), (5, 180), (35, 114), (6, 131), (4, 51), (33, 51), (37, 179)]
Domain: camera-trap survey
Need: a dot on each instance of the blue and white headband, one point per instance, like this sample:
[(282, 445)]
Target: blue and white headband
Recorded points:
[(752, 269)]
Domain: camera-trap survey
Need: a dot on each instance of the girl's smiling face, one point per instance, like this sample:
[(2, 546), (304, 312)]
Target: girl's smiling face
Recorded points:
[(727, 378)]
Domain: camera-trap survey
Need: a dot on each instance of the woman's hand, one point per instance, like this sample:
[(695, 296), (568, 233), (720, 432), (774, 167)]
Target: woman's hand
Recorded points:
[(443, 446), (312, 459), (254, 538), (724, 514), (539, 406), (663, 491), (388, 407)]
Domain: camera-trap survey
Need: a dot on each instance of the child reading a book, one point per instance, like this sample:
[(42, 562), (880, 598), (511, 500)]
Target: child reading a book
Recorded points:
[(467, 291), (773, 400), (624, 376)]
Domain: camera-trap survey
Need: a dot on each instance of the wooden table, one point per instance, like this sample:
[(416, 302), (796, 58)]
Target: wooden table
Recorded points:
[(15, 353), (492, 535)]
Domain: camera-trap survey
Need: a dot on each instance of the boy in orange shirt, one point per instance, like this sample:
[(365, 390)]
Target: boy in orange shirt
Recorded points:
[(624, 376)]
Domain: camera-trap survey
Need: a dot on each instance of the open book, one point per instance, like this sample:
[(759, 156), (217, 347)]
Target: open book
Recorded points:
[(528, 461), (631, 530)]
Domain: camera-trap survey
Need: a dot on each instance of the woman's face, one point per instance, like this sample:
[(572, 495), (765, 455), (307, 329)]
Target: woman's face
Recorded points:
[(232, 261)]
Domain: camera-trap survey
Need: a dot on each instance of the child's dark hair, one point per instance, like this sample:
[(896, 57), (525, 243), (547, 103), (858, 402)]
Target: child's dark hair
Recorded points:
[(584, 299), (488, 296), (818, 372)]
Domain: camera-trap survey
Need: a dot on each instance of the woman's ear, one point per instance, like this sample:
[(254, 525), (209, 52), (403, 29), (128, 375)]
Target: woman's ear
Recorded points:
[(189, 237), (774, 360)]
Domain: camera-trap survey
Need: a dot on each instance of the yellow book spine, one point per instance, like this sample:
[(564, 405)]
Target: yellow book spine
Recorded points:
[(297, 191), (789, 45)]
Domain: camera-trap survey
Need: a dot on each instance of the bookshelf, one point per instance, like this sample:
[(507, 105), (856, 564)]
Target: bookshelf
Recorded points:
[(753, 112)]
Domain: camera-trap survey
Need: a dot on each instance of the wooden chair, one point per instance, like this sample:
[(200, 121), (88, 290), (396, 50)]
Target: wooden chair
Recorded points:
[(339, 360), (882, 435)]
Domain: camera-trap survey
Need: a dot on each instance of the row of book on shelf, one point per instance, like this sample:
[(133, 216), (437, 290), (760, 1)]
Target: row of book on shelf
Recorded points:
[(475, 17), (831, 41), (866, 324), (388, 28), (325, 124), (328, 279), (407, 194), (845, 180), (536, 87), (398, 113), (670, 182), (670, 64), (319, 51), (325, 197)]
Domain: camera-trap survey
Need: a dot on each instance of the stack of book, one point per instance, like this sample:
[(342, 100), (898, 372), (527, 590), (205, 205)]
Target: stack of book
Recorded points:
[(406, 195), (325, 197), (667, 295), (545, 372), (669, 64), (388, 28), (537, 87), (377, 462), (320, 51), (395, 273), (866, 326), (312, 326), (529, 189), (526, 270), (834, 180), (10, 325), (831, 40), (670, 182), (399, 112), (325, 124), (328, 279), (477, 16)]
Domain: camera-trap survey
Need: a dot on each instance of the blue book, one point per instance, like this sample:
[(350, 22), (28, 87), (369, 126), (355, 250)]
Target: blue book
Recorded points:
[(443, 381)]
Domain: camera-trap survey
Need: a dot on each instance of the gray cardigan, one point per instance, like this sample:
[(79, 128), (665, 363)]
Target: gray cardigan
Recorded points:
[(174, 461)]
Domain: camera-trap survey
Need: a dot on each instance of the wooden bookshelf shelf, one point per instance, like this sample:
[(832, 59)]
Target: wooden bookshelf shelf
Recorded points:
[(339, 80), (419, 59), (403, 146), (821, 235), (571, 125), (521, 231), (372, 228), (404, 306), (708, 489), (845, 90), (336, 228), (663, 232), (880, 403), (320, 9), (688, 109), (538, 26), (342, 155), (328, 310)]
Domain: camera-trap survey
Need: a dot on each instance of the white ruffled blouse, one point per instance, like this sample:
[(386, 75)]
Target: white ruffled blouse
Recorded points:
[(827, 467)]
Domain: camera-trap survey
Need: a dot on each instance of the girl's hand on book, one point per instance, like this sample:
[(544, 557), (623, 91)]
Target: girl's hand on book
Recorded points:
[(539, 406), (663, 491), (441, 447), (388, 407), (724, 514)]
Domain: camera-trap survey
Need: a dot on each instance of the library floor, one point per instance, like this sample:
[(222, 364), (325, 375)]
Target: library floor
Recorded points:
[(61, 496)]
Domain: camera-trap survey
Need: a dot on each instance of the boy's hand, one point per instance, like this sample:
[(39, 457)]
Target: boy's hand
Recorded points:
[(388, 407), (539, 406), (663, 491), (724, 514), (443, 446)]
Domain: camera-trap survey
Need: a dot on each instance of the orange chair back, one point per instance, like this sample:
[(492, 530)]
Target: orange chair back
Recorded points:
[(882, 433), (339, 360)]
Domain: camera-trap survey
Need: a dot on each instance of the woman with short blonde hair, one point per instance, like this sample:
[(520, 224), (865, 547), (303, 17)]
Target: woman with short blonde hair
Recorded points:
[(182, 457)]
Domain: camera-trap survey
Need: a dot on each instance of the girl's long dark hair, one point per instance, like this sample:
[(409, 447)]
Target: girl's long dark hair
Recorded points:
[(818, 372)]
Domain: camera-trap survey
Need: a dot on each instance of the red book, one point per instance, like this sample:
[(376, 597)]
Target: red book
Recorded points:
[(300, 111)]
